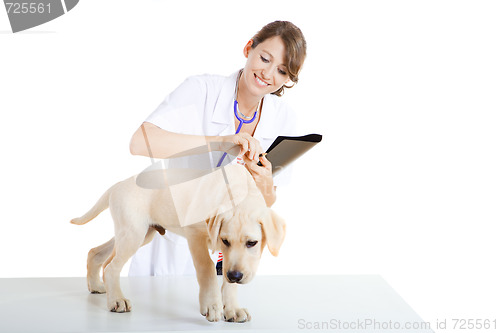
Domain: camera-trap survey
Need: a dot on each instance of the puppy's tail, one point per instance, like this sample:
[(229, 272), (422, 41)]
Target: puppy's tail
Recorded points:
[(101, 204)]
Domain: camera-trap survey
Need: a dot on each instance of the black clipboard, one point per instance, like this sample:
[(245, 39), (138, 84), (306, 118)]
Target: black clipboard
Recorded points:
[(286, 149)]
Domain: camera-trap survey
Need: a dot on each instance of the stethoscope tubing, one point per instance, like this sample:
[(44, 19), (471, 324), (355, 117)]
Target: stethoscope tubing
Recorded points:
[(242, 121)]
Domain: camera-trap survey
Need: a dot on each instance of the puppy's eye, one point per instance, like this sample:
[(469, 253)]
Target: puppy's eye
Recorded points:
[(251, 244), (225, 242)]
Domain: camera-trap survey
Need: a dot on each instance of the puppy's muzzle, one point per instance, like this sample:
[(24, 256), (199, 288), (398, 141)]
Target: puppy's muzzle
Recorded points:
[(234, 276)]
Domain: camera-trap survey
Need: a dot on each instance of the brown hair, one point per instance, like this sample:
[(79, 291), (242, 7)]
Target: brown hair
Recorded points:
[(295, 46)]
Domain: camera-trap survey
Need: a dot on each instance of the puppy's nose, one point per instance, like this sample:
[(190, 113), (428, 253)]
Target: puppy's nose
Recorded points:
[(234, 276)]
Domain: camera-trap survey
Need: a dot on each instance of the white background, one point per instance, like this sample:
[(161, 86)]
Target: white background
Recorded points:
[(405, 184)]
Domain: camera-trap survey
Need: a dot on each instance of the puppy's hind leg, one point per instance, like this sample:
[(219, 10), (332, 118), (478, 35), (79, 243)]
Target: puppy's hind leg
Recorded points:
[(126, 244), (101, 256), (97, 256), (147, 239)]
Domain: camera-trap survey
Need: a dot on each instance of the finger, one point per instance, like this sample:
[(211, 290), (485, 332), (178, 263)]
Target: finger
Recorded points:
[(243, 142), (248, 160), (252, 153), (259, 149), (253, 149), (251, 164), (264, 161)]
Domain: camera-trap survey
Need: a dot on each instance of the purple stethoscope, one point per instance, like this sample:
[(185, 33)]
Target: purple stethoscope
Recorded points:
[(240, 116)]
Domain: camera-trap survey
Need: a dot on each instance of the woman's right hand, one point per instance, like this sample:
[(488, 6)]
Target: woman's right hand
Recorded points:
[(248, 144)]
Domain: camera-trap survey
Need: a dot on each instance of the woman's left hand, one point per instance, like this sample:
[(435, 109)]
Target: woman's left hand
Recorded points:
[(263, 177)]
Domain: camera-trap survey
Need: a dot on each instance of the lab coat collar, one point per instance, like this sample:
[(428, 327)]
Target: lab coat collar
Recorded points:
[(223, 113), (224, 105)]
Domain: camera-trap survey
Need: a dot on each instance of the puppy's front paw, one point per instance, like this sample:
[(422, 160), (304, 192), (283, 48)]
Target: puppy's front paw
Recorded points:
[(96, 287), (239, 315), (119, 305), (212, 312)]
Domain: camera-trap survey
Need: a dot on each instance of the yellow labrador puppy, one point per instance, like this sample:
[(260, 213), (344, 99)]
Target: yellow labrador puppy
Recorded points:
[(223, 211)]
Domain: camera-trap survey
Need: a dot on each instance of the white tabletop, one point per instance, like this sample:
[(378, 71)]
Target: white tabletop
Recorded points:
[(366, 303)]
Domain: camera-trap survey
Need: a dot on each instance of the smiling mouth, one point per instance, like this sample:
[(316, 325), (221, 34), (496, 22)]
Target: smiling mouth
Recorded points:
[(260, 82)]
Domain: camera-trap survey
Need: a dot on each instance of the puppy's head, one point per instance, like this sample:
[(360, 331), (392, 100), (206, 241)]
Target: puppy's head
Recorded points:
[(241, 235)]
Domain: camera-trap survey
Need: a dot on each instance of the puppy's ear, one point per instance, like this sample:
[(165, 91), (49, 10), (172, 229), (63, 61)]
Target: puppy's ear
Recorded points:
[(273, 227), (213, 227)]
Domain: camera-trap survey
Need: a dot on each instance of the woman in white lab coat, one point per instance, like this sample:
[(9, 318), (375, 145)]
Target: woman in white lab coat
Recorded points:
[(200, 112)]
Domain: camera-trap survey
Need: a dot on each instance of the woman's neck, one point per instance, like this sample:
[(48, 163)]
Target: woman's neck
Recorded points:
[(247, 103)]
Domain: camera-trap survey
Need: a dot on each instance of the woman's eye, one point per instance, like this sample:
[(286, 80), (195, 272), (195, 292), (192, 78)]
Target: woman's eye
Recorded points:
[(264, 59), (282, 72), (251, 244), (225, 242)]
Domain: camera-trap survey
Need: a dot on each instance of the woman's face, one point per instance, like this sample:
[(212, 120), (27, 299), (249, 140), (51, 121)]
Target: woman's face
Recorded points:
[(265, 71)]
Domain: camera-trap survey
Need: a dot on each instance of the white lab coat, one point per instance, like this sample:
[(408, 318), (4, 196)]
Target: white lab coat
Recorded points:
[(203, 105)]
